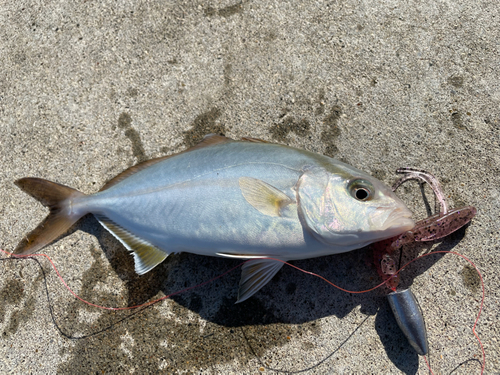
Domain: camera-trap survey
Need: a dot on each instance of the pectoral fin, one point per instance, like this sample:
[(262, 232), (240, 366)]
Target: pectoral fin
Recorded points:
[(265, 198), (146, 255), (255, 274)]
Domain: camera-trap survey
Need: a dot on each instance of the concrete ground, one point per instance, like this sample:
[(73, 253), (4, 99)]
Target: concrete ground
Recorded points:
[(89, 88)]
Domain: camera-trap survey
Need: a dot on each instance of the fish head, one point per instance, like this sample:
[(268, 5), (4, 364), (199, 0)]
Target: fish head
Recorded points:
[(348, 208)]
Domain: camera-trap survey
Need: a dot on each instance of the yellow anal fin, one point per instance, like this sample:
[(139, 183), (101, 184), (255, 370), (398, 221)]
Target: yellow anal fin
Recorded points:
[(146, 255), (263, 197), (254, 275)]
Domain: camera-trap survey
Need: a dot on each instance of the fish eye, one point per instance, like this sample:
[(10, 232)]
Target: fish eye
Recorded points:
[(361, 194), (361, 190)]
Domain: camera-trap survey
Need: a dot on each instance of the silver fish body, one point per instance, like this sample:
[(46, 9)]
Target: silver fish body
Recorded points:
[(241, 199)]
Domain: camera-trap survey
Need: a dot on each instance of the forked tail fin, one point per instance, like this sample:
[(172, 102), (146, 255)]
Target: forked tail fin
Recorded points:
[(61, 217)]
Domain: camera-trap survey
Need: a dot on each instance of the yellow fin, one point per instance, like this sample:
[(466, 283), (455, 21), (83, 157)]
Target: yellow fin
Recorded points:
[(265, 198), (254, 275), (146, 255)]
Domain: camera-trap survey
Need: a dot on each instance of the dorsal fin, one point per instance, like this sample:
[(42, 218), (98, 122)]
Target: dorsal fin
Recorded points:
[(208, 140), (255, 140)]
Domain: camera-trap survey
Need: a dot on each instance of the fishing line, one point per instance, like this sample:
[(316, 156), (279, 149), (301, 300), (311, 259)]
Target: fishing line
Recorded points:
[(317, 364), (117, 308), (144, 305)]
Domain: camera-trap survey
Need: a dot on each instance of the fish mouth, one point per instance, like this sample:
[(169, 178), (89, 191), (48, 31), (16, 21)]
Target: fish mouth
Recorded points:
[(399, 220)]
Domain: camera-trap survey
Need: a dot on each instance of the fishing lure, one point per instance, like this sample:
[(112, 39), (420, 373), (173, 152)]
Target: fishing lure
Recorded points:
[(403, 303)]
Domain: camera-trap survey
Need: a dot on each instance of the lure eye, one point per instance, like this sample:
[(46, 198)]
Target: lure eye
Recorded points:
[(361, 190)]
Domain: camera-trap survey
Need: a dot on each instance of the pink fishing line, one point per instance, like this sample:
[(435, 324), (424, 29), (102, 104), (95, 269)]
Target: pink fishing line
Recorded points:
[(483, 363)]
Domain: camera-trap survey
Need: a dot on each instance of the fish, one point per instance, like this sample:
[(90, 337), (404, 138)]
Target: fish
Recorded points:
[(242, 199)]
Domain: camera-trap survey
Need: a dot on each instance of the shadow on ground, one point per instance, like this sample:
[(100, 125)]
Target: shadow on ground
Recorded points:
[(289, 306)]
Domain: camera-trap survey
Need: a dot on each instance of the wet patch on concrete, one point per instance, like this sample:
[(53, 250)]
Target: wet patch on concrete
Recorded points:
[(456, 81), (259, 338), (269, 37), (331, 131), (125, 122), (145, 343), (165, 150), (132, 92), (11, 294), (331, 120), (12, 297), (321, 102), (228, 70), (471, 279), (289, 124), (111, 350), (202, 125), (456, 119), (224, 12)]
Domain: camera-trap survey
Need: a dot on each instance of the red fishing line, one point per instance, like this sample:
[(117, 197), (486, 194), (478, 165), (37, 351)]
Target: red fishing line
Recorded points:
[(118, 308), (429, 366), (483, 363)]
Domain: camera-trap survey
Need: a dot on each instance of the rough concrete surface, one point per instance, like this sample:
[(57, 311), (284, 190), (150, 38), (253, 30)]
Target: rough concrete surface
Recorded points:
[(89, 88)]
